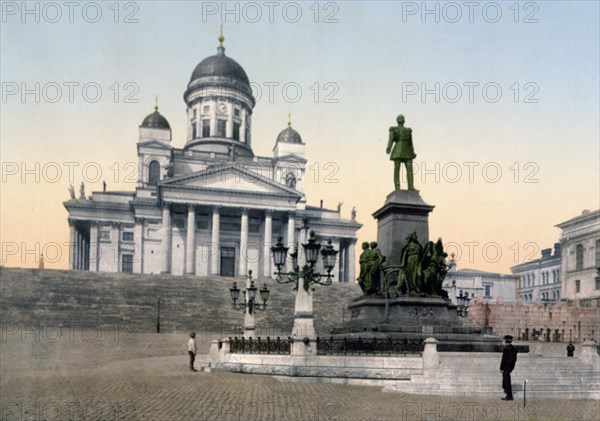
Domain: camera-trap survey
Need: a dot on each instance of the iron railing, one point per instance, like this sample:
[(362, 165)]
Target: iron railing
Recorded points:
[(276, 346), (359, 346)]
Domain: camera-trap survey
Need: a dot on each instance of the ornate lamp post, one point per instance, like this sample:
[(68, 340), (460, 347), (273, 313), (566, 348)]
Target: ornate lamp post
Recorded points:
[(250, 301), (303, 311), (250, 305), (311, 251), (463, 303)]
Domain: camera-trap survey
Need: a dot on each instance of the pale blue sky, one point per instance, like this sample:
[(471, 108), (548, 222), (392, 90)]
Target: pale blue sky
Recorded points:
[(368, 54)]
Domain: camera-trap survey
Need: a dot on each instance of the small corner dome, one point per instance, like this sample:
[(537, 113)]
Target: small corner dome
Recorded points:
[(220, 65), (155, 121), (289, 135)]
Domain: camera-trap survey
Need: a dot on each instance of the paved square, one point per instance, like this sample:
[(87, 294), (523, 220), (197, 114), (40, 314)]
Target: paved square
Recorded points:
[(146, 377)]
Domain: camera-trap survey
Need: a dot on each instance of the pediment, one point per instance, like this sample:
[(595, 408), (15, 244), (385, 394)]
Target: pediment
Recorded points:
[(229, 177), (292, 158), (153, 143)]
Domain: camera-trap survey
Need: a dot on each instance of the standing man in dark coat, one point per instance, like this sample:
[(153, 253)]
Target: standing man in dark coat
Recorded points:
[(507, 365)]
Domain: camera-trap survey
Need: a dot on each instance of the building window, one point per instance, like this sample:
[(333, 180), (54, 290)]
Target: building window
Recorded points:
[(205, 128), (194, 113), (153, 173), (577, 286), (193, 130), (487, 290), (206, 109), (236, 112), (127, 236), (202, 223), (236, 131), (221, 124), (597, 279), (127, 263), (579, 257), (597, 254), (179, 221)]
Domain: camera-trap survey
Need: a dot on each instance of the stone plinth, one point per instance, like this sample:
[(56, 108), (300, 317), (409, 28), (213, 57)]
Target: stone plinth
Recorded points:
[(404, 212), (415, 318)]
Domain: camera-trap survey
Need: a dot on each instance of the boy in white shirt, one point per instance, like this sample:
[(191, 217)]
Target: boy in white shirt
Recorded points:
[(192, 350)]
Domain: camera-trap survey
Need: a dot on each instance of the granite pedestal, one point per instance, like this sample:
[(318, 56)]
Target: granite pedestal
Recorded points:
[(415, 318), (404, 212)]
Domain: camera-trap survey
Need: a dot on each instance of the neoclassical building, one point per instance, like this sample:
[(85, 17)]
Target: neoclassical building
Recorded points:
[(490, 287), (540, 279), (580, 241), (211, 207)]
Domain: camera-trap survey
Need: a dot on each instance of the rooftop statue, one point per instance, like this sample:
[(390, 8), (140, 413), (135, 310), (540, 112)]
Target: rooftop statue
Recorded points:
[(401, 147)]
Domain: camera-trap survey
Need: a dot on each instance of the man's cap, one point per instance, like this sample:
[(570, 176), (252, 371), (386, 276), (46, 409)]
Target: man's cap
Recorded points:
[(193, 335), (508, 338)]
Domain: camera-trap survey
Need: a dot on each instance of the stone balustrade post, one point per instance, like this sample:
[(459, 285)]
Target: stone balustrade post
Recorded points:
[(589, 354), (431, 358)]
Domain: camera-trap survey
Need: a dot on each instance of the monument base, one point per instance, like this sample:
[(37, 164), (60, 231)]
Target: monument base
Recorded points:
[(415, 319), (404, 212)]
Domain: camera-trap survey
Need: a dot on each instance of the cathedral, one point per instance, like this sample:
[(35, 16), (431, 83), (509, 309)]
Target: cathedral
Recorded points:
[(211, 207)]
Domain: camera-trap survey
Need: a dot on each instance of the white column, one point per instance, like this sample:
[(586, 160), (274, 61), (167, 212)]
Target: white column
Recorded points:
[(229, 125), (244, 244), (141, 173), (290, 238), (115, 235), (72, 249), (190, 245), (351, 277), (166, 237), (216, 245), (138, 245), (213, 118), (341, 257), (243, 126), (94, 246), (268, 235), (78, 242), (84, 248)]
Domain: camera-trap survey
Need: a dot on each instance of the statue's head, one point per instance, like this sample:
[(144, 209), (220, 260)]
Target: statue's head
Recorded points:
[(373, 245), (412, 236), (365, 245), (400, 119)]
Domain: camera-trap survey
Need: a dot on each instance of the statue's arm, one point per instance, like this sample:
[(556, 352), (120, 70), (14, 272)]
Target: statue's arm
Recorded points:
[(392, 139)]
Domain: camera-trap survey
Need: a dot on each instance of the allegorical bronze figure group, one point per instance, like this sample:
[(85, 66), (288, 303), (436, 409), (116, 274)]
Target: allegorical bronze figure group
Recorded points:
[(421, 272)]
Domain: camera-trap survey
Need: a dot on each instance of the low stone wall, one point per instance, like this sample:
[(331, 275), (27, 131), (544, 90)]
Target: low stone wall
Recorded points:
[(303, 361), (431, 373), (556, 323)]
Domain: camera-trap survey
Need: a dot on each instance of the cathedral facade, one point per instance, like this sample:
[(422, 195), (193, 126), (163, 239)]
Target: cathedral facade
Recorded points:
[(211, 207)]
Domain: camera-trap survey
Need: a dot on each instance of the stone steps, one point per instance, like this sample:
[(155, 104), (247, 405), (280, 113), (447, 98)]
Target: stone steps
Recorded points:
[(187, 302)]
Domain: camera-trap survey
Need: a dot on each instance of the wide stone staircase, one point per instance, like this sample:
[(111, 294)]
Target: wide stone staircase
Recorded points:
[(479, 375), (105, 300)]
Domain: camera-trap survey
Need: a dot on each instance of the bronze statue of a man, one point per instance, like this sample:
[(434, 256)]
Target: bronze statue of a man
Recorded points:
[(402, 152)]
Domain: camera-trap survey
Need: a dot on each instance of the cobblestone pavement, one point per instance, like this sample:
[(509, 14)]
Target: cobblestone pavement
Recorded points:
[(37, 385)]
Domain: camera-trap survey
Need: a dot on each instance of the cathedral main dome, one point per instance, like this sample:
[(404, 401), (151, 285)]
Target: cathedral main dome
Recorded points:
[(220, 65), (219, 106)]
